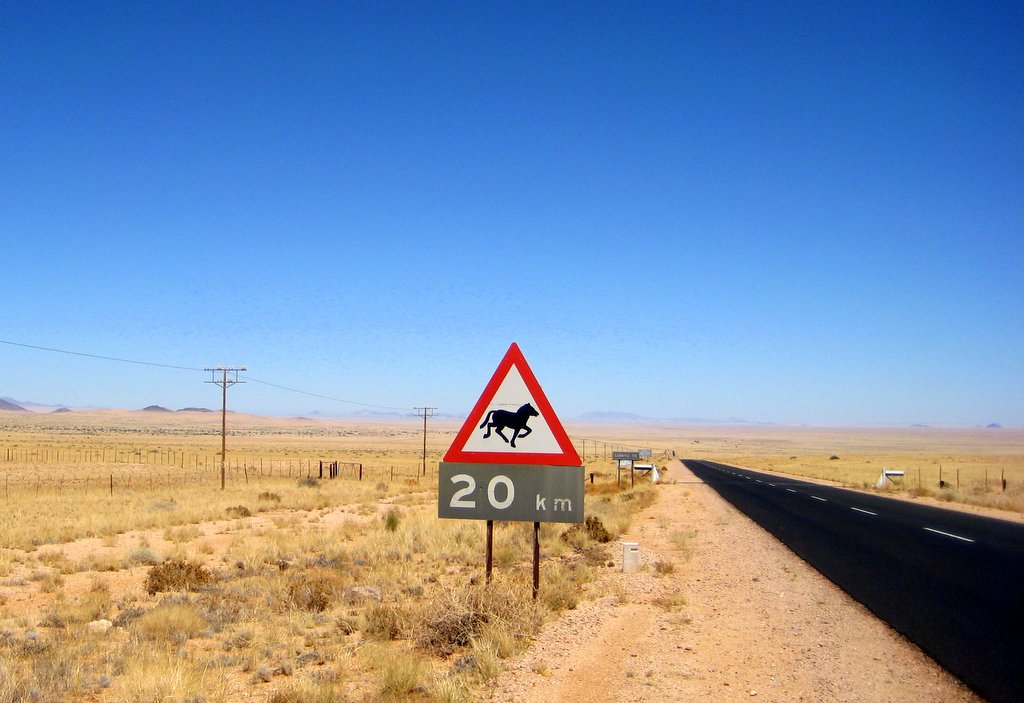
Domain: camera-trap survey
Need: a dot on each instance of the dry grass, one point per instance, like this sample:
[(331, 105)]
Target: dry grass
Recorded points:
[(973, 461), (277, 619), (171, 623)]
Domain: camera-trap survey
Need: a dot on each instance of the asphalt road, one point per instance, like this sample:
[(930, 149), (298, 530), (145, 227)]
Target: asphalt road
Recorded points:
[(951, 582)]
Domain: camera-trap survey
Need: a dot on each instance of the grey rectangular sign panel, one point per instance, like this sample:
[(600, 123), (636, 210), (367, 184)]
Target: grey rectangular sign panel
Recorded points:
[(510, 492), (628, 456)]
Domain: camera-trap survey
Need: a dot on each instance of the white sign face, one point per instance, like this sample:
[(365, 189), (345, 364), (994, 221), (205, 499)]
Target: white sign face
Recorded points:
[(492, 434)]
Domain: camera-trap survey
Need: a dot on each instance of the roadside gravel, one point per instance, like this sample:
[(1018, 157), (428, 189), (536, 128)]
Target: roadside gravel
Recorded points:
[(719, 611)]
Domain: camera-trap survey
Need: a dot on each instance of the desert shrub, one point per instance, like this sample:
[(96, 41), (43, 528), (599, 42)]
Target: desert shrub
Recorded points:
[(833, 458), (486, 661), (307, 692), (559, 594), (670, 602), (459, 615), (663, 568), (269, 497), (91, 605), (177, 575), (401, 675), (238, 511), (143, 555), (49, 582), (171, 622), (314, 589), (453, 624), (499, 636), (229, 604), (391, 519), (309, 482), (162, 674), (591, 528), (180, 535), (57, 561), (386, 621), (596, 529), (454, 688), (239, 639)]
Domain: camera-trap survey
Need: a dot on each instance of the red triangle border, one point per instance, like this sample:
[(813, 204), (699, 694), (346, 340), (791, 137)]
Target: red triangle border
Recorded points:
[(513, 358)]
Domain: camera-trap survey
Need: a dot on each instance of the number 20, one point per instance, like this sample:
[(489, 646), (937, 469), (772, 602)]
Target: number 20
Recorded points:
[(459, 499)]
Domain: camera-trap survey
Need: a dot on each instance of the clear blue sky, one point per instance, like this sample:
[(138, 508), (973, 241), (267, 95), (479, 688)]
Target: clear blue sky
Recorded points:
[(783, 212)]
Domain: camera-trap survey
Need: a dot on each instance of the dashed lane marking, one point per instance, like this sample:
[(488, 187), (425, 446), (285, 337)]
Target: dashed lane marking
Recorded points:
[(819, 498), (949, 534), (862, 510)]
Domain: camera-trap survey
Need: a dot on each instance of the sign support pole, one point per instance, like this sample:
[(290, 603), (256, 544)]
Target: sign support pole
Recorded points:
[(536, 559), (490, 549), (492, 479)]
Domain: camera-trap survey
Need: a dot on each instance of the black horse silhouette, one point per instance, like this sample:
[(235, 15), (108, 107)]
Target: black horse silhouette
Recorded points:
[(501, 419)]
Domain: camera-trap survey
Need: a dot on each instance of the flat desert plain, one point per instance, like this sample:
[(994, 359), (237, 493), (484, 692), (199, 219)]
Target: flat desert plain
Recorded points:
[(127, 574)]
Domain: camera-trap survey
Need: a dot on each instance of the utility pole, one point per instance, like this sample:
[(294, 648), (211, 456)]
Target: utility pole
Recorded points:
[(425, 412), (224, 382)]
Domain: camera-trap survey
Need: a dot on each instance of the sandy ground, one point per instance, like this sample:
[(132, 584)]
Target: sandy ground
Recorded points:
[(737, 617)]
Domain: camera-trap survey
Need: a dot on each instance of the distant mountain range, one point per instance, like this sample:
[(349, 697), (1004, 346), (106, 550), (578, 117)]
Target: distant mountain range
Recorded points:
[(11, 406)]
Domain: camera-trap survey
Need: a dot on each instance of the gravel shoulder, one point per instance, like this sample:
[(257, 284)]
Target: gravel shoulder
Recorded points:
[(728, 614)]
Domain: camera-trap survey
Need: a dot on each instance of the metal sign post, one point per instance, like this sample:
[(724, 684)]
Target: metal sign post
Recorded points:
[(620, 457)]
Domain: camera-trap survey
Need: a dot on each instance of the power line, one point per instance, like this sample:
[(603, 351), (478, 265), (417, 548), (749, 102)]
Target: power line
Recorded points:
[(100, 356), (193, 368), (325, 397)]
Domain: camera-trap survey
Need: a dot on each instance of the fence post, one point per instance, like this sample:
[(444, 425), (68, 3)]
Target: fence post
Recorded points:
[(360, 472), (111, 485)]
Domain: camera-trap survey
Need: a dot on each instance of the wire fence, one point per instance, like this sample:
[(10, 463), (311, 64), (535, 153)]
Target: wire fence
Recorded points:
[(46, 470)]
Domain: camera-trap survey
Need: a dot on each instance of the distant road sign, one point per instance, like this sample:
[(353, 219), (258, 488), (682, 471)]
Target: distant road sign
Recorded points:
[(646, 453), (524, 493), (626, 456)]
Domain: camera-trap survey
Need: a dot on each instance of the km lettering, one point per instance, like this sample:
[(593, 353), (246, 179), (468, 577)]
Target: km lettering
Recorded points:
[(557, 504)]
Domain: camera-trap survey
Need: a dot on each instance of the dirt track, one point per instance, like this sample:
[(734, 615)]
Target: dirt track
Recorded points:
[(737, 616)]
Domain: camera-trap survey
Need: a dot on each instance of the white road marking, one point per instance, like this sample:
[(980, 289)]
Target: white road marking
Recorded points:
[(818, 498), (772, 485), (862, 510), (949, 534), (791, 490)]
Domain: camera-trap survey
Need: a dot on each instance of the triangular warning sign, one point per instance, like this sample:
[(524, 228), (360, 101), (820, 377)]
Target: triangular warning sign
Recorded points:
[(513, 422)]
